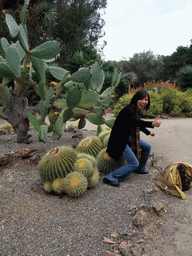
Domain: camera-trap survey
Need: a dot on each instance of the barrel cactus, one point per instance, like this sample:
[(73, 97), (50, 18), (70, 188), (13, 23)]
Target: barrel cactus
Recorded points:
[(105, 141), (75, 184), (106, 164), (57, 163), (84, 166), (48, 186), (90, 145), (58, 185), (103, 134), (89, 157), (94, 179)]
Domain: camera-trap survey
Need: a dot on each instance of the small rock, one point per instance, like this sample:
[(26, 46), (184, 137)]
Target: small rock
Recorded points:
[(140, 218), (124, 248), (136, 250), (159, 208)]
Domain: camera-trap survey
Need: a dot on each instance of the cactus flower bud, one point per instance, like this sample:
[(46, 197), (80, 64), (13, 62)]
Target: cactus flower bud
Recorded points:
[(54, 84), (112, 96)]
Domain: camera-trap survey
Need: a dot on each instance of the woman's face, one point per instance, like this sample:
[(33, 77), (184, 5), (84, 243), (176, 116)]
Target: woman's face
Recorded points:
[(141, 104)]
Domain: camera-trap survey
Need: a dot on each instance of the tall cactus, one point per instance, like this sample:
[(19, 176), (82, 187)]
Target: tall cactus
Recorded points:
[(82, 99)]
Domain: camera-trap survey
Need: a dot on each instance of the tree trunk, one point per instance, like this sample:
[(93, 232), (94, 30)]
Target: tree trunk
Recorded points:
[(18, 117)]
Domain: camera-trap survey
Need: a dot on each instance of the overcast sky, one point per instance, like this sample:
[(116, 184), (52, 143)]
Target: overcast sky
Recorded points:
[(135, 26)]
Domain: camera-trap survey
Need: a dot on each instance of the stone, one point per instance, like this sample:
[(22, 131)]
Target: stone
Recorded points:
[(124, 248), (140, 219)]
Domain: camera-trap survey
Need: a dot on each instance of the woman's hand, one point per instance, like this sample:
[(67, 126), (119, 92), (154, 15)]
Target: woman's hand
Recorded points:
[(156, 122), (152, 134)]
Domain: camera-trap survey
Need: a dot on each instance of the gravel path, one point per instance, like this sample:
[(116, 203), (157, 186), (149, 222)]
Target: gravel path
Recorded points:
[(36, 223)]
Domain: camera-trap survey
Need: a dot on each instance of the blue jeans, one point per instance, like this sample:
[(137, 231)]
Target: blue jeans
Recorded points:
[(132, 163)]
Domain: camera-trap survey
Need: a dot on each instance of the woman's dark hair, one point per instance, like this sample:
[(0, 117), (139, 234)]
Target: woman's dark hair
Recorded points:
[(139, 95)]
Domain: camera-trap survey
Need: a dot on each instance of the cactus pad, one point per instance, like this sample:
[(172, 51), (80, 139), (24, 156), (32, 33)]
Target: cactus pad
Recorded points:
[(106, 164), (90, 145), (84, 166), (58, 185), (57, 163), (75, 184)]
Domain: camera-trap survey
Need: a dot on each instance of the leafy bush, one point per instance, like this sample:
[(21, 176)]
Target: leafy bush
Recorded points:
[(176, 102), (170, 101), (176, 110), (156, 106), (122, 102)]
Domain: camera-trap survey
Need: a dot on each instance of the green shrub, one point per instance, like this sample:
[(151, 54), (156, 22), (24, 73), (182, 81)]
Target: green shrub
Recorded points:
[(122, 102), (176, 110), (156, 106), (176, 102)]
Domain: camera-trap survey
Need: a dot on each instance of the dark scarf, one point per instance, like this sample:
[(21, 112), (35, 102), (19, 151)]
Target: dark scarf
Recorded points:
[(135, 141)]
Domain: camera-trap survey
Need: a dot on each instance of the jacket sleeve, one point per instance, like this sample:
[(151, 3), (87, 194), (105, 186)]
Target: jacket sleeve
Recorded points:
[(136, 121), (146, 131)]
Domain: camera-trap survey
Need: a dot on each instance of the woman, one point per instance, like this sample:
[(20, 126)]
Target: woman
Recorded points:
[(125, 139)]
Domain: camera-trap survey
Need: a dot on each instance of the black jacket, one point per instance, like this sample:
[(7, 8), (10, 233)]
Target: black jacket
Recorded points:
[(121, 131)]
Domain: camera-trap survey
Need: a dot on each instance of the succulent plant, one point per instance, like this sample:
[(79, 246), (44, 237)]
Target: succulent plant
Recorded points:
[(89, 157), (57, 163), (28, 68), (94, 179), (105, 141), (90, 145), (106, 164), (75, 184), (48, 186), (103, 134), (84, 166), (58, 185)]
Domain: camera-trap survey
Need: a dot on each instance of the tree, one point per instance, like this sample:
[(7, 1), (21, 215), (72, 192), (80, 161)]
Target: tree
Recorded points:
[(173, 63), (78, 24), (184, 77), (130, 78), (145, 65)]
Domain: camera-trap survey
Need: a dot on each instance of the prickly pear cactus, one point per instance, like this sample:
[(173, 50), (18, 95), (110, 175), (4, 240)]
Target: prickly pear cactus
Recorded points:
[(90, 145), (57, 163), (106, 164), (75, 184)]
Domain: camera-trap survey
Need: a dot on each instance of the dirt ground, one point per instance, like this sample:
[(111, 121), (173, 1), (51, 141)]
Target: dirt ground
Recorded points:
[(35, 223)]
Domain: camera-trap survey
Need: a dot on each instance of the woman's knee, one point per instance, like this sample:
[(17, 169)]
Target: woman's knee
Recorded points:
[(135, 165)]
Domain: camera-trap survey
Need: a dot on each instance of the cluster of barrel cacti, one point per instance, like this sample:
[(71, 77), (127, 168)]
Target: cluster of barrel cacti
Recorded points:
[(29, 67), (64, 170), (73, 171)]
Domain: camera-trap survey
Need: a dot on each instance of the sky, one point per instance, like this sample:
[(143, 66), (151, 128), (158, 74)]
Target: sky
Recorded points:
[(136, 26)]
